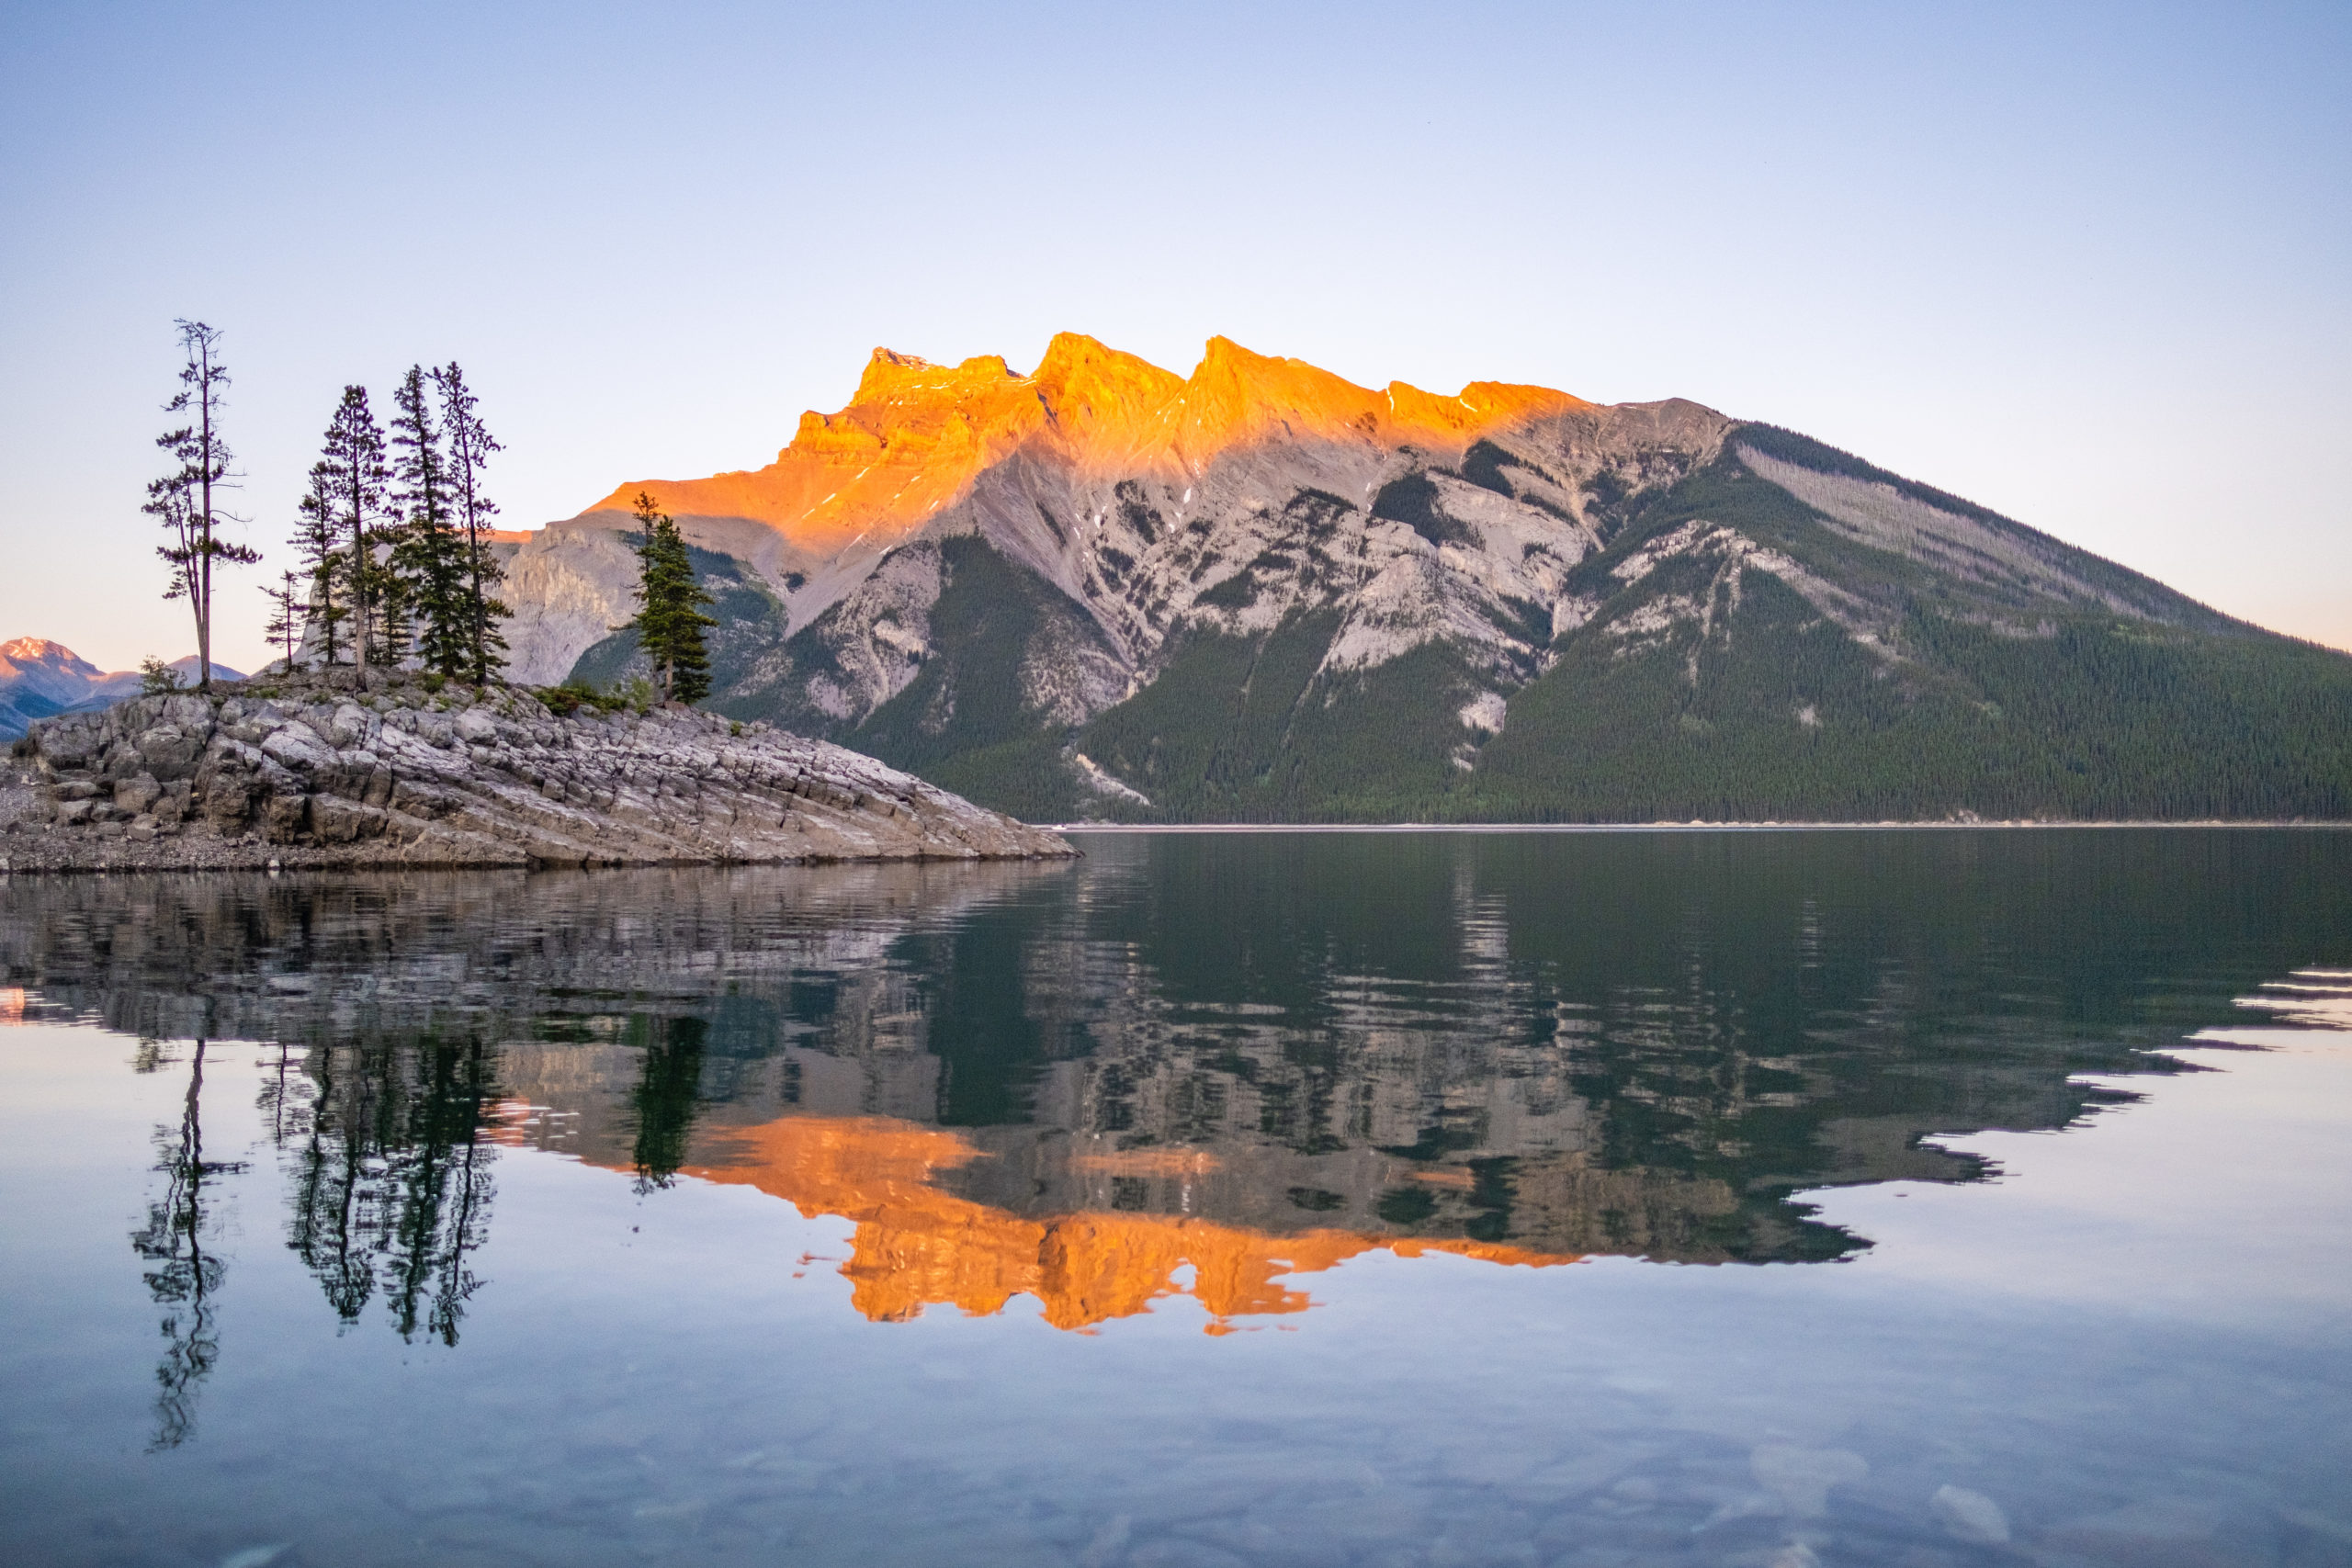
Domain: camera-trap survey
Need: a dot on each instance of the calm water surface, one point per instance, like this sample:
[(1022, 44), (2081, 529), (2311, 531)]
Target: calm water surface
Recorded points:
[(1772, 1199)]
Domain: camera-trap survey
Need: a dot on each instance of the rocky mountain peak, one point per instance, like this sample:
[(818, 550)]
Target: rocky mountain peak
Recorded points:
[(891, 376), (39, 678), (1103, 403), (1262, 591), (28, 653), (1238, 396), (916, 436)]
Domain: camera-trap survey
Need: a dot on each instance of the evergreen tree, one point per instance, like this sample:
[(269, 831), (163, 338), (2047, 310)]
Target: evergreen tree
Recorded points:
[(470, 444), (318, 544), (170, 503), (669, 621), (183, 500), (393, 596), (348, 485), (286, 605), (429, 559)]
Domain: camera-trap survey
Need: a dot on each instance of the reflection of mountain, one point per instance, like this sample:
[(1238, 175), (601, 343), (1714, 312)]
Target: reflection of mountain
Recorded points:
[(918, 1245), (1553, 1045)]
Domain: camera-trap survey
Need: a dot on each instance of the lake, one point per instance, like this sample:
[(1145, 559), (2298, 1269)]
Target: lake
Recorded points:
[(1785, 1199)]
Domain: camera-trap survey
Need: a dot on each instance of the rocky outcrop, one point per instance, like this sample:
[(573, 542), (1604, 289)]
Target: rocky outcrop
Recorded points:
[(329, 771)]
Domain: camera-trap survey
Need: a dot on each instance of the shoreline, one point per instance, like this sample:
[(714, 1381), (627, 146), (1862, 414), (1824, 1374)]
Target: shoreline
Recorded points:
[(272, 860), (1676, 826)]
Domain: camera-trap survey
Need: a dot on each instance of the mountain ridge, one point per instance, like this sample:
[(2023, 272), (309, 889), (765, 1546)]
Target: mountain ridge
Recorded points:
[(933, 428), (1261, 591), (39, 679)]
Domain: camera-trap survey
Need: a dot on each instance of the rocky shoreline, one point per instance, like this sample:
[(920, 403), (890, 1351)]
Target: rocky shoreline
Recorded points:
[(328, 770)]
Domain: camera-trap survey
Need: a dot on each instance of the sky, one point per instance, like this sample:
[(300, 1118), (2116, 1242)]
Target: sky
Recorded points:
[(2090, 265)]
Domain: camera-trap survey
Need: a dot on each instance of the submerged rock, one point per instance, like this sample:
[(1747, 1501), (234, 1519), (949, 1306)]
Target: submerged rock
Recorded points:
[(1802, 1477), (1970, 1516), (327, 771)]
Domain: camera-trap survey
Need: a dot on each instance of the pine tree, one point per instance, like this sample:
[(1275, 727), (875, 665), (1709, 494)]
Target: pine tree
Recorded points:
[(184, 498), (392, 594), (170, 502), (287, 603), (470, 444), (349, 485), (429, 559), (318, 544), (669, 620)]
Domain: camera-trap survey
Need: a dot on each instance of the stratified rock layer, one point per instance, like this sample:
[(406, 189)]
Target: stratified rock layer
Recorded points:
[(327, 772)]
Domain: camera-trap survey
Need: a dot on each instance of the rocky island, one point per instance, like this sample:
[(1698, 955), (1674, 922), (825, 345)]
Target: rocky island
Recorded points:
[(335, 770)]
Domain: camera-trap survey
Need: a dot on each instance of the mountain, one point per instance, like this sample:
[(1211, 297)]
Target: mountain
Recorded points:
[(38, 678), (1262, 593)]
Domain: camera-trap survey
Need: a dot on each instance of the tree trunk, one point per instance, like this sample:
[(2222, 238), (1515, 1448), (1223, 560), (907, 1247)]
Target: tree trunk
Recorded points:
[(476, 616), (204, 543), (359, 581)]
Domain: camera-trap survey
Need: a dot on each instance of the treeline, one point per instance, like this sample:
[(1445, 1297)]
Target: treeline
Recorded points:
[(392, 535), (1792, 720)]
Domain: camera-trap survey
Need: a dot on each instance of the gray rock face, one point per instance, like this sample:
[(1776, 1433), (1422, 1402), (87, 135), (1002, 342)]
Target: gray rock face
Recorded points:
[(330, 771), (571, 582), (1407, 550)]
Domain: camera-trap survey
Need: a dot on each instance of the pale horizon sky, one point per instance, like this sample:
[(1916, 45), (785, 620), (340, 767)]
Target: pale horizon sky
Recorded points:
[(2090, 265)]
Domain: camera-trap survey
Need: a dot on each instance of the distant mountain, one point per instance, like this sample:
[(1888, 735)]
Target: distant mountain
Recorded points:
[(39, 678), (1262, 593)]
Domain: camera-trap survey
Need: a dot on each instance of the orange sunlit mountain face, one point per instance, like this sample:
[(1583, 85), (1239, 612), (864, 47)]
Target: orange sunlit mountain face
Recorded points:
[(916, 435), (917, 1245)]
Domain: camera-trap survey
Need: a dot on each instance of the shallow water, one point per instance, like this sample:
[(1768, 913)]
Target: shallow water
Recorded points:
[(1779, 1199)]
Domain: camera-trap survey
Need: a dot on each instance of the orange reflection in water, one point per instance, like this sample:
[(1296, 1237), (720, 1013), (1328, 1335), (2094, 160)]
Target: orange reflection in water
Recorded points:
[(917, 1245)]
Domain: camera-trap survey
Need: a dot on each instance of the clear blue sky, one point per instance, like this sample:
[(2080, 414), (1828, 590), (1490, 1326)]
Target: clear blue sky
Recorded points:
[(2091, 265)]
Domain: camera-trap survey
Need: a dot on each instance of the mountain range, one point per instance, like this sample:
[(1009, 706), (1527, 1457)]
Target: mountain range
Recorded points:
[(1260, 592), (39, 678)]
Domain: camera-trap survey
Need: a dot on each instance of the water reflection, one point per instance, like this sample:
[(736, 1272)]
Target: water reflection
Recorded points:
[(669, 1084), (1186, 1065), (918, 1244), (179, 1242), (388, 1141)]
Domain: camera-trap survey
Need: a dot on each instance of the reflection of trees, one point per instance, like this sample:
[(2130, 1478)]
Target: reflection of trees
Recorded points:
[(668, 1087), (1632, 1043), (185, 1278), (392, 1186)]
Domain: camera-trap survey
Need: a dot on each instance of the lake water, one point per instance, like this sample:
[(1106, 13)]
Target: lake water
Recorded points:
[(1743, 1198)]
